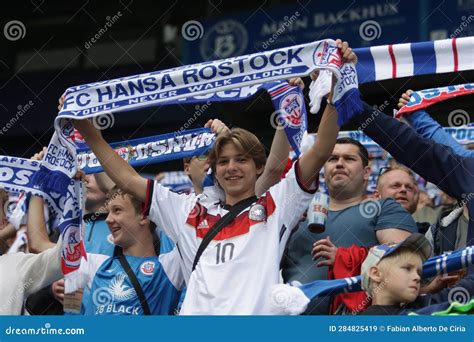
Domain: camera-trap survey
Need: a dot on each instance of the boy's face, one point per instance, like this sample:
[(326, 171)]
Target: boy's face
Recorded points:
[(94, 195), (236, 172), (402, 278), (123, 220)]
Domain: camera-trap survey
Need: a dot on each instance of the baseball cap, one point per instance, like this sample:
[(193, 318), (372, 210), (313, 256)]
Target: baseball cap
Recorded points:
[(415, 242)]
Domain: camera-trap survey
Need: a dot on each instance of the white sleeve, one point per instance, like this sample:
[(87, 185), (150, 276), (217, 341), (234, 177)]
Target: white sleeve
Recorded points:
[(291, 200), (87, 270), (41, 269), (171, 263), (167, 209)]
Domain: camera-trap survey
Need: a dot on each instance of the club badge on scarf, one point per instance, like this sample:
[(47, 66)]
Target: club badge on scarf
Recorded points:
[(291, 112), (424, 98)]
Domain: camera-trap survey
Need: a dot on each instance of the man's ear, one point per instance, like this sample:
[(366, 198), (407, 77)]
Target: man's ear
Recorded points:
[(377, 194), (186, 168), (144, 219), (260, 170), (367, 172)]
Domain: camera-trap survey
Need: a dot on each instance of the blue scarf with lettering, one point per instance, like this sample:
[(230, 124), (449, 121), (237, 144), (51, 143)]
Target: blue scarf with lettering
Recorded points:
[(289, 112)]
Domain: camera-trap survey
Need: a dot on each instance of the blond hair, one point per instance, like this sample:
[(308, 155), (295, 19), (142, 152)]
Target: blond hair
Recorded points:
[(389, 262), (394, 168)]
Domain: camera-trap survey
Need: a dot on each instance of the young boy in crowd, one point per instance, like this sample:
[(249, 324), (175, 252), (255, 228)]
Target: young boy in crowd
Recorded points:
[(135, 280), (391, 275)]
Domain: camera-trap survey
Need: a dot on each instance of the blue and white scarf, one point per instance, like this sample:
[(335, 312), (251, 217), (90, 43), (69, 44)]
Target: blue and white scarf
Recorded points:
[(17, 175), (169, 86), (152, 150), (88, 101), (378, 63), (422, 99), (289, 107)]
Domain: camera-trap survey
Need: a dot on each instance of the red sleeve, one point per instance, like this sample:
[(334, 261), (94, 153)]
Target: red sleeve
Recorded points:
[(149, 195), (289, 164), (347, 263), (301, 185)]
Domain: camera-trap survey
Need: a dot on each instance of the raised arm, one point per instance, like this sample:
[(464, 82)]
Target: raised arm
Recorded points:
[(275, 164), (429, 128), (278, 157), (436, 163), (38, 239), (103, 182), (311, 162), (116, 168)]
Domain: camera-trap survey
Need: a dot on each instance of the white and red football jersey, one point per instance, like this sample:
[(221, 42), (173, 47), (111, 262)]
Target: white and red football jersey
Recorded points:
[(237, 269)]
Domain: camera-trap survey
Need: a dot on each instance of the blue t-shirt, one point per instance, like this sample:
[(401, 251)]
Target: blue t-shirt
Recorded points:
[(97, 237), (111, 292), (98, 240), (354, 225)]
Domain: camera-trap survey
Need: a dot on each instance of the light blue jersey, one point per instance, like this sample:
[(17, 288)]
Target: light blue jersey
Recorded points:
[(97, 237), (111, 292)]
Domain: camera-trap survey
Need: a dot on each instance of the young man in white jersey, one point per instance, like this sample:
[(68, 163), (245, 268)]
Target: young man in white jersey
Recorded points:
[(237, 269)]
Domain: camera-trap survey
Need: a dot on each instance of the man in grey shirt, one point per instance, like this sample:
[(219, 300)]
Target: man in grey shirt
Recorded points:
[(352, 219)]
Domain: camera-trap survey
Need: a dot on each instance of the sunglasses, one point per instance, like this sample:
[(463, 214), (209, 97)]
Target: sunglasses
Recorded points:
[(203, 157)]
